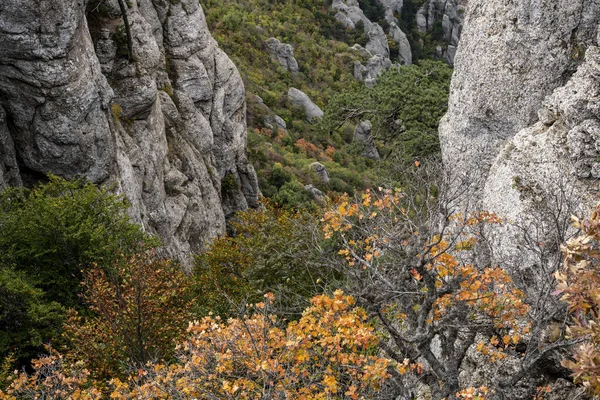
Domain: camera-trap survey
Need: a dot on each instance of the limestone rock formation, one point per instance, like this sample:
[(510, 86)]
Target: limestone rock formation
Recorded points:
[(450, 15), (349, 13), (284, 53), (404, 50), (321, 171), (510, 59), (524, 109), (318, 196), (364, 136), (368, 73), (165, 124), (301, 99), (391, 7), (377, 44)]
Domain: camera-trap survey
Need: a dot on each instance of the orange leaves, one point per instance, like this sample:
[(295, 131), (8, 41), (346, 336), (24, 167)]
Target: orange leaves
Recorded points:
[(579, 285), (54, 378), (416, 274), (472, 393), (139, 311)]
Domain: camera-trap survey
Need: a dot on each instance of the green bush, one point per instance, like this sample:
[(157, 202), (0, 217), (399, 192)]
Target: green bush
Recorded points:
[(27, 319), (56, 229), (404, 107)]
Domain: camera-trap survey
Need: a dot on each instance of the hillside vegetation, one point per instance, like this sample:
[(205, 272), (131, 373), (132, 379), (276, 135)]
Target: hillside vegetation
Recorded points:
[(404, 106)]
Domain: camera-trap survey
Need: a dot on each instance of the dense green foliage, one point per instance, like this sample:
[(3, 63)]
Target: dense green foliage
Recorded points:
[(27, 320), (49, 235), (404, 107), (272, 250), (54, 230)]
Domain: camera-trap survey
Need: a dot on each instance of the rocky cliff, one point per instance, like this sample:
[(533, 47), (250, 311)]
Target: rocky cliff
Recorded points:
[(161, 116), (525, 110)]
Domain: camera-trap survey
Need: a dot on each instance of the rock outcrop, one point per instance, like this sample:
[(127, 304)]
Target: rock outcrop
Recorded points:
[(321, 171), (376, 50), (525, 110), (300, 99), (364, 137), (349, 13), (284, 53), (369, 73), (165, 124), (404, 50), (391, 7), (449, 15)]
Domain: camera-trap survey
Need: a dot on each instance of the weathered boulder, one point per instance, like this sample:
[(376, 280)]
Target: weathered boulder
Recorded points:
[(284, 53), (300, 99), (404, 50), (316, 194), (361, 51), (369, 73), (364, 136), (349, 13), (274, 122), (377, 44), (321, 171), (165, 124)]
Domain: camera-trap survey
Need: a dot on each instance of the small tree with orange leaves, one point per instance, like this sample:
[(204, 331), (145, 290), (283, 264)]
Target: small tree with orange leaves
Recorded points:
[(327, 354), (53, 378), (410, 260), (579, 285), (140, 308)]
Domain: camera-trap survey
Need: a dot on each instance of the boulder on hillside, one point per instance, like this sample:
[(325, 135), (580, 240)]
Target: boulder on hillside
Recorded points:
[(363, 135), (284, 53), (321, 171), (301, 99)]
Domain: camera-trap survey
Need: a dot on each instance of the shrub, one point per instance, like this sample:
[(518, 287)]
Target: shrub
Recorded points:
[(55, 230)]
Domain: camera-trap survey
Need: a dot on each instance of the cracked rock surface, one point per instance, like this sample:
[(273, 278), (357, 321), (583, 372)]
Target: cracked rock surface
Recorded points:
[(166, 125)]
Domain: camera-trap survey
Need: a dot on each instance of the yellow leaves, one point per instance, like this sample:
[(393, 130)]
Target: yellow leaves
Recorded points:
[(579, 286), (472, 393), (330, 383)]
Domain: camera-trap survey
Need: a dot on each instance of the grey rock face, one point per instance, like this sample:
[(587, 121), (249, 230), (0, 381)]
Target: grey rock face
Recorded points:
[(503, 72), (525, 111), (321, 171), (377, 44), (300, 99), (348, 12), (404, 50), (369, 73), (316, 194), (167, 130), (284, 53), (448, 13), (362, 51), (363, 135), (391, 7)]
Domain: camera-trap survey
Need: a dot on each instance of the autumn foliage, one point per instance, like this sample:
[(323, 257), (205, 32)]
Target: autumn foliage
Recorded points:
[(421, 283), (579, 285), (329, 353), (139, 311)]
